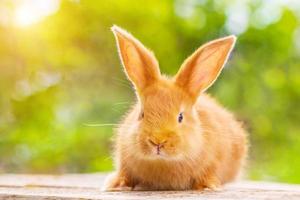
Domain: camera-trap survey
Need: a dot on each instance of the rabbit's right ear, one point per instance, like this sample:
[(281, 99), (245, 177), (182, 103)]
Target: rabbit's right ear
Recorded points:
[(202, 68), (140, 64)]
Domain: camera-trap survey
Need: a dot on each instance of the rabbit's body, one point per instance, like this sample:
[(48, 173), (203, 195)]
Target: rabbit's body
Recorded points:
[(176, 137), (218, 163)]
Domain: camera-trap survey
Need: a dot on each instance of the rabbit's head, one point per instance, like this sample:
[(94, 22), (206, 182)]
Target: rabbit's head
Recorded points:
[(167, 124)]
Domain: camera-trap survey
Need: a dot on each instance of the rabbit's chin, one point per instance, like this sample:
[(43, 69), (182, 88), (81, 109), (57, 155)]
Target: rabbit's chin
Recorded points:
[(164, 156)]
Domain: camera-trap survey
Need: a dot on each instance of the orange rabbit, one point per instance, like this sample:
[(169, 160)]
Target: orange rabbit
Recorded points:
[(176, 137)]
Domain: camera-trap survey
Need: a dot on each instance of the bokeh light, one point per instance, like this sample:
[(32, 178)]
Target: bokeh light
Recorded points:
[(28, 12)]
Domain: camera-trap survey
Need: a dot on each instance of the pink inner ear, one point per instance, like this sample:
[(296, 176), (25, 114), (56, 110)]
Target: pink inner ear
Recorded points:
[(133, 63), (199, 79), (203, 75)]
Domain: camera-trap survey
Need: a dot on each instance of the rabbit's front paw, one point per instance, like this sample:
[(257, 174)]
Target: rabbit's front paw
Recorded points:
[(214, 187), (116, 182), (210, 183), (213, 184)]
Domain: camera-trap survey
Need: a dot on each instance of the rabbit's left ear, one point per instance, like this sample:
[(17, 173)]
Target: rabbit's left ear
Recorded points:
[(139, 63), (202, 68)]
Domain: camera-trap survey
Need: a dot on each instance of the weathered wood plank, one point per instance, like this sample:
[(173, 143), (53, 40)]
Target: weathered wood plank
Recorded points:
[(87, 186)]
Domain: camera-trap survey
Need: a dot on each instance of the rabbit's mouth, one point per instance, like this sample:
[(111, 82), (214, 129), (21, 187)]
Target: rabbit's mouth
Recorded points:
[(164, 156), (157, 148), (160, 151)]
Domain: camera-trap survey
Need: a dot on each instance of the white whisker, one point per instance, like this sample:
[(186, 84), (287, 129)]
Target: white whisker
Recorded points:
[(122, 103), (87, 124)]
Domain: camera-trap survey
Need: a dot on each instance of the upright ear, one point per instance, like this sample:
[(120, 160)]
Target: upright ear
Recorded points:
[(202, 68), (140, 64)]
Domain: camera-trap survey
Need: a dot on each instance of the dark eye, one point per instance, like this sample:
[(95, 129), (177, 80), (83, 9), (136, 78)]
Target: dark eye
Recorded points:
[(141, 116), (180, 117)]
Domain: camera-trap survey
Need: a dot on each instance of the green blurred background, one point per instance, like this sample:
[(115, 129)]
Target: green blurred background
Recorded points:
[(59, 71)]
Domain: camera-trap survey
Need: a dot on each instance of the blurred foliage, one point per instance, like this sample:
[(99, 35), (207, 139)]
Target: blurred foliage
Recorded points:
[(61, 73)]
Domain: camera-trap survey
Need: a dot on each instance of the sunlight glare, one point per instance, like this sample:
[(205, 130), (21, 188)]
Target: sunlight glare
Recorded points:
[(31, 11)]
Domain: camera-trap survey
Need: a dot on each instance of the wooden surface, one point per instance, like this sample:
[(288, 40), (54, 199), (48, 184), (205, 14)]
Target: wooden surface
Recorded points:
[(87, 186)]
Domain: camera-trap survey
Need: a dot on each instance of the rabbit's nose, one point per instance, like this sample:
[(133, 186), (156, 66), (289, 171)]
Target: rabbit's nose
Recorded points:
[(152, 142), (155, 143), (158, 145)]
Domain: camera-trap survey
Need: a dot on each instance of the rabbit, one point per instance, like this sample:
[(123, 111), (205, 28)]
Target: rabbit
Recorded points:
[(175, 137)]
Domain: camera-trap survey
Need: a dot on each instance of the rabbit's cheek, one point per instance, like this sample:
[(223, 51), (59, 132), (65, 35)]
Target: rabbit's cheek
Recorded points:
[(171, 151), (194, 142), (143, 147), (170, 148)]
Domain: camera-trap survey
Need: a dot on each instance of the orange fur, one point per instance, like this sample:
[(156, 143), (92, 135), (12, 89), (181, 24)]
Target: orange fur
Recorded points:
[(205, 150)]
